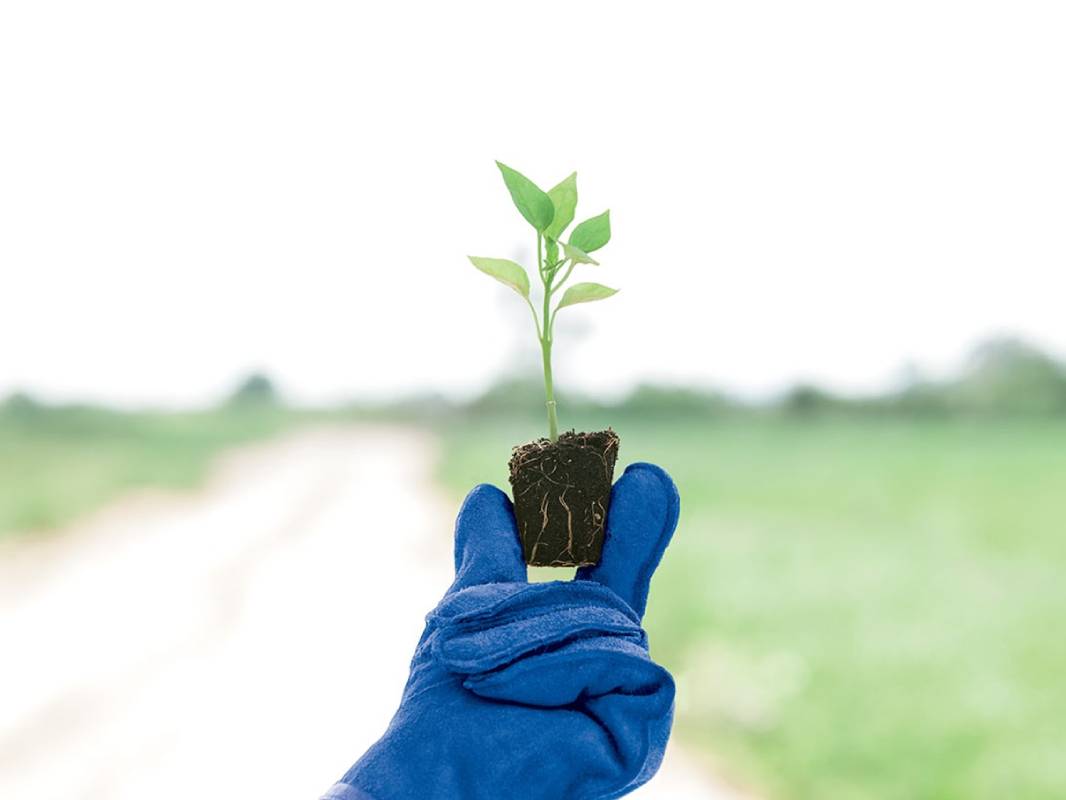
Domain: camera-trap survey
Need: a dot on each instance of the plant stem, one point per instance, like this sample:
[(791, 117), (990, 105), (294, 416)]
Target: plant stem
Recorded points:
[(553, 421), (546, 347), (566, 275)]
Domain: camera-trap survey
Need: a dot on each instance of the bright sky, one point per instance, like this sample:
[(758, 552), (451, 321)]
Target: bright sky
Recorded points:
[(798, 191)]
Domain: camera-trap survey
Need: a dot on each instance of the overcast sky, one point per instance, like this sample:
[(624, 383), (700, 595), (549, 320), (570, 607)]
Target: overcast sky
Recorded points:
[(799, 191)]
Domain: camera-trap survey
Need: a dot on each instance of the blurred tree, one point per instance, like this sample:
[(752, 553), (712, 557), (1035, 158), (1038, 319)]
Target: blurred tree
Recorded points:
[(255, 390), (522, 396), (21, 405), (807, 400), (509, 396), (648, 400), (1003, 375), (1008, 375)]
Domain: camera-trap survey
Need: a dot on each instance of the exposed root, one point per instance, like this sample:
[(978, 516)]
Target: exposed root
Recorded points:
[(576, 471)]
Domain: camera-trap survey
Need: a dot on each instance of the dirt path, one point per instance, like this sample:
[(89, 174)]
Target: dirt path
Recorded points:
[(213, 645)]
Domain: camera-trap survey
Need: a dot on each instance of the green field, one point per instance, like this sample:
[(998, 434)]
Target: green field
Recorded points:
[(856, 609), (57, 464)]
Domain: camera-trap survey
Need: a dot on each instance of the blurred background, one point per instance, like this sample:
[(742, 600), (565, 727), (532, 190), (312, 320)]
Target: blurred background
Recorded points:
[(247, 375)]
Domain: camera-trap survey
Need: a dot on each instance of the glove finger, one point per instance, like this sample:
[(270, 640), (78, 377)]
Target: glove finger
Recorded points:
[(487, 549), (602, 667), (640, 522), (480, 651)]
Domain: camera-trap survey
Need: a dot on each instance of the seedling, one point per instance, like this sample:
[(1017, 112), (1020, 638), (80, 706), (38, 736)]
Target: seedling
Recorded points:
[(562, 483), (550, 213)]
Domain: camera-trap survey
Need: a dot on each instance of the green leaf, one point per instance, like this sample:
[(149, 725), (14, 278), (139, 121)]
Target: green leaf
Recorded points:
[(530, 201), (592, 234), (578, 256), (564, 199), (504, 271), (585, 293)]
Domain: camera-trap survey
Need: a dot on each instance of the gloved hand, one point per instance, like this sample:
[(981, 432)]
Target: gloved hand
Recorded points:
[(533, 691)]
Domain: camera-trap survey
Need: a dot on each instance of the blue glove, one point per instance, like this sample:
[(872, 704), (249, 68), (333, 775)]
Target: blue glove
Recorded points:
[(533, 691)]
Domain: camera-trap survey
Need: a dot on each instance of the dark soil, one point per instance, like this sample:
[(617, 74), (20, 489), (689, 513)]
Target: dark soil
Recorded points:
[(561, 491)]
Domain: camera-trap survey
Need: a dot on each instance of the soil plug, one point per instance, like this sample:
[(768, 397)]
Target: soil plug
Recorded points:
[(561, 484)]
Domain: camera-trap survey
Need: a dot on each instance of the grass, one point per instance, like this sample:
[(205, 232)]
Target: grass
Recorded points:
[(58, 464), (856, 609)]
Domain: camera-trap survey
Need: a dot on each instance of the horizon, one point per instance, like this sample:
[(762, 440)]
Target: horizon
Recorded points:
[(909, 377)]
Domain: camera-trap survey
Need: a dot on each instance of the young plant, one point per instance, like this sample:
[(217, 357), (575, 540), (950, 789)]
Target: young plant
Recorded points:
[(550, 213)]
